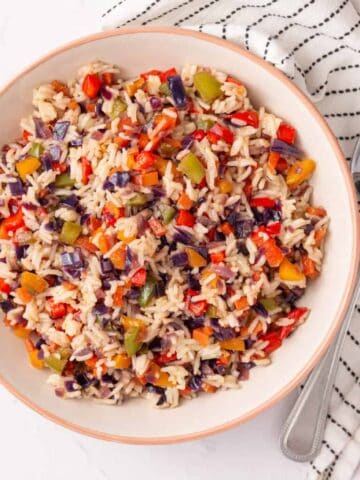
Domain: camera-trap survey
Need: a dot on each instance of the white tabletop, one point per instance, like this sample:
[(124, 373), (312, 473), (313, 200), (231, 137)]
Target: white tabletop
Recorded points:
[(33, 447)]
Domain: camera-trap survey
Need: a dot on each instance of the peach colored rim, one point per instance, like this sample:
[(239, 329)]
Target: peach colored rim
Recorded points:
[(355, 253)]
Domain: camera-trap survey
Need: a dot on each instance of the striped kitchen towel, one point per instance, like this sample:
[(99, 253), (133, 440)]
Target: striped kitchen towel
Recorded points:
[(317, 44)]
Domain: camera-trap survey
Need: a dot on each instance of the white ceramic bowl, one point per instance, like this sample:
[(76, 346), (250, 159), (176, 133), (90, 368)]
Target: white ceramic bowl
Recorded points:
[(141, 49)]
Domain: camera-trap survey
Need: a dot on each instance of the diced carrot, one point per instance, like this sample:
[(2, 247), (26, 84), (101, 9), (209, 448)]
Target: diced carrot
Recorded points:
[(237, 344), (241, 303), (185, 391), (69, 286), (202, 335), (320, 235), (208, 388), (143, 140), (23, 295), (224, 359), (317, 211), (121, 142), (60, 87), (91, 362), (163, 380), (84, 242), (73, 105), (226, 228), (309, 269), (273, 161), (35, 360), (21, 331), (184, 201), (122, 361), (274, 255), (149, 179), (90, 107), (118, 297)]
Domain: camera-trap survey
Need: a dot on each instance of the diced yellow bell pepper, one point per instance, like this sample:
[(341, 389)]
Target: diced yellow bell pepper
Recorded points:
[(205, 274), (122, 361), (121, 236), (34, 360), (118, 257), (225, 186), (299, 172), (163, 381), (27, 166), (290, 272), (195, 259), (129, 322), (33, 283), (237, 344)]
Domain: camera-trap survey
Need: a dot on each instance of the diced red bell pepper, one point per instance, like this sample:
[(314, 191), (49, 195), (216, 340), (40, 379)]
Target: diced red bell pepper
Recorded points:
[(86, 169), (262, 202), (57, 310), (250, 118), (282, 165), (197, 308), (286, 133), (273, 228), (157, 227), (109, 217), (168, 73), (144, 160), (26, 135), (93, 223), (154, 73), (199, 135), (217, 257), (165, 358), (107, 78), (202, 184), (4, 287), (286, 330), (248, 188), (91, 85), (139, 278), (12, 223), (185, 219), (297, 313), (274, 255), (274, 341), (211, 234), (221, 132)]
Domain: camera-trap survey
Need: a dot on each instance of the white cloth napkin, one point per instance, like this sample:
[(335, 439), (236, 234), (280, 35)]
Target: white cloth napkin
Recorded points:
[(317, 44)]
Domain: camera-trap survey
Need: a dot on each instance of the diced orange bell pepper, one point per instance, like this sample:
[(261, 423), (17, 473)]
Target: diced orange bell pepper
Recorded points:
[(73, 105), (33, 283), (202, 335), (195, 259), (23, 295), (205, 274), (122, 361), (132, 88), (21, 331), (237, 344), (217, 257), (121, 142), (143, 140), (226, 228), (84, 242), (112, 213), (184, 202), (35, 360), (317, 211), (207, 388), (91, 85), (273, 159), (118, 297), (225, 186), (129, 322), (290, 272), (273, 253), (60, 87), (118, 257), (125, 238)]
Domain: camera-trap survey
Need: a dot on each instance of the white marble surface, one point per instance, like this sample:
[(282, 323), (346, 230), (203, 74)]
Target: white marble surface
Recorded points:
[(34, 448)]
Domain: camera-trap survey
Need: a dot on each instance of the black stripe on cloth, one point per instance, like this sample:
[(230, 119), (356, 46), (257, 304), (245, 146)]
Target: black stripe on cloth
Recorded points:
[(238, 9), (314, 468), (223, 33), (342, 114), (326, 55), (349, 404), (318, 34), (163, 14), (345, 430), (290, 25), (334, 70), (342, 91), (140, 14), (276, 15), (195, 12), (357, 343), (331, 450), (349, 137), (112, 8), (349, 369)]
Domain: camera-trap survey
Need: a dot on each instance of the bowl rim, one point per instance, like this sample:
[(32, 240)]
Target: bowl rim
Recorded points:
[(355, 226)]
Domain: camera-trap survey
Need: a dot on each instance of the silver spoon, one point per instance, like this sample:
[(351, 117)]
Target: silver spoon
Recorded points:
[(303, 432)]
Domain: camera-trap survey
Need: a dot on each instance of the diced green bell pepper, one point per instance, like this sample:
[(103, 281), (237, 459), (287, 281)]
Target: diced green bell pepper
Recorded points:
[(118, 107), (70, 232), (208, 87), (191, 166), (269, 304), (36, 150), (131, 344), (147, 291), (211, 311), (165, 90), (56, 364), (137, 200), (167, 213), (64, 181), (205, 124)]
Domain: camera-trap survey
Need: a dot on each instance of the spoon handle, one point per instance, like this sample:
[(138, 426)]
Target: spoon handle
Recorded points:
[(303, 431)]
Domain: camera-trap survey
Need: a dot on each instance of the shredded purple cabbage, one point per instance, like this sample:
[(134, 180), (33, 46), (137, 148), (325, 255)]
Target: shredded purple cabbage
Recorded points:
[(72, 260), (178, 91), (285, 149), (41, 130), (179, 259), (60, 130), (17, 188)]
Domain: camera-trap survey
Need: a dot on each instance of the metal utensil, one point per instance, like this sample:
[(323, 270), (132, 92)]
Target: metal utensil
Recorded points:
[(304, 428)]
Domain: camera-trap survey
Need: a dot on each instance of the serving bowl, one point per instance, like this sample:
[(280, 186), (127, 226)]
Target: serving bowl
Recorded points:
[(142, 49)]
